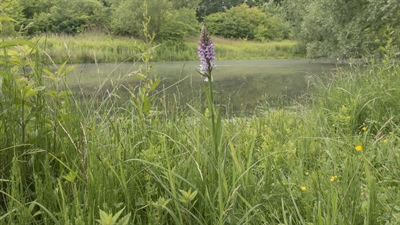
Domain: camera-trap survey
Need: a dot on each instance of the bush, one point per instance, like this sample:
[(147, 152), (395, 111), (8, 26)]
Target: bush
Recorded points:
[(247, 23)]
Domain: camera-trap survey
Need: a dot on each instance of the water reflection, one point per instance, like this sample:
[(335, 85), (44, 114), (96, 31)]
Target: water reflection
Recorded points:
[(239, 84)]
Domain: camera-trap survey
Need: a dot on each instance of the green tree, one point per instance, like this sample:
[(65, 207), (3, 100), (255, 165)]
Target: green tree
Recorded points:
[(348, 29), (207, 7), (64, 16), (128, 16), (73, 16), (178, 25), (35, 7), (169, 20), (192, 4), (37, 14), (12, 9), (247, 23)]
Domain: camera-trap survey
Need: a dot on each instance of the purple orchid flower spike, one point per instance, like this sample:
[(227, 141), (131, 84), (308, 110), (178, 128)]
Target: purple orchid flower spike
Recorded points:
[(206, 54)]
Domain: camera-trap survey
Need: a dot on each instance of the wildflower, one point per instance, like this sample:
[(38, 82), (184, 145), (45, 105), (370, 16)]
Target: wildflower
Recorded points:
[(364, 128), (303, 188), (206, 54), (333, 178), (390, 132), (384, 141), (358, 148)]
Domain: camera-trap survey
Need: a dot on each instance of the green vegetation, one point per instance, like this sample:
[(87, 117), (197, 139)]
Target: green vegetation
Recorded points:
[(345, 29), (70, 160), (242, 22), (95, 47), (170, 20), (348, 30)]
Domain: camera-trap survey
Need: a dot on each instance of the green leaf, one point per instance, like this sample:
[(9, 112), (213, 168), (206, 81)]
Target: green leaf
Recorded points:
[(16, 42), (146, 105), (154, 84), (70, 177), (51, 75), (116, 216), (105, 219), (52, 93), (124, 220), (6, 18), (31, 207), (64, 94), (29, 92), (69, 69), (203, 119), (140, 76), (60, 70)]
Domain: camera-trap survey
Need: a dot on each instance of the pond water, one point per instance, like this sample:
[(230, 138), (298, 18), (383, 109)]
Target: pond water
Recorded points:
[(241, 85)]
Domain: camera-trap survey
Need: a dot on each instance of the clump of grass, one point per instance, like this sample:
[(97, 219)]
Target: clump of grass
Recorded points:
[(89, 48)]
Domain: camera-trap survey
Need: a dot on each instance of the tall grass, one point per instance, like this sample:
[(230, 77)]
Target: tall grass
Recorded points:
[(68, 160), (98, 47)]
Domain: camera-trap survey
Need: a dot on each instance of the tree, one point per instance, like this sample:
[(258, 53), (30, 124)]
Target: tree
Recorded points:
[(12, 9), (167, 21), (247, 23), (32, 8), (189, 4), (348, 29), (128, 16), (74, 16), (207, 7)]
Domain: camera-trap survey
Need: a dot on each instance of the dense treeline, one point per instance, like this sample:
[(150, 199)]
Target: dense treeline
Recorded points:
[(324, 28), (171, 20)]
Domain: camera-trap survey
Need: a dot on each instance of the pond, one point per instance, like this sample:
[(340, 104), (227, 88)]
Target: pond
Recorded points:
[(240, 85)]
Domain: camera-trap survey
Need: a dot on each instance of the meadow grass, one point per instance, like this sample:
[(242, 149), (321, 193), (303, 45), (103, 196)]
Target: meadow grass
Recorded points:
[(102, 48), (68, 160)]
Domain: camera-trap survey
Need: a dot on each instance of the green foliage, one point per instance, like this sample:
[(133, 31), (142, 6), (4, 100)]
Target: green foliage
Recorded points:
[(68, 158), (348, 29), (76, 16), (178, 26), (169, 20), (11, 9), (207, 7), (32, 8), (110, 219), (159, 168), (166, 22), (246, 23)]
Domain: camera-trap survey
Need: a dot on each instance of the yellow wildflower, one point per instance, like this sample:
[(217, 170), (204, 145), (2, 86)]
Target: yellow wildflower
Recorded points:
[(303, 188), (391, 132), (384, 141), (333, 178), (364, 128), (358, 148)]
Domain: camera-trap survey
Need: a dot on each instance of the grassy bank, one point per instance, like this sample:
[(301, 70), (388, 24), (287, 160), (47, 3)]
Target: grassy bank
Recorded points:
[(68, 160), (97, 47)]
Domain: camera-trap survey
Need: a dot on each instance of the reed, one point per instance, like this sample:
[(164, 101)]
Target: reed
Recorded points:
[(101, 48)]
